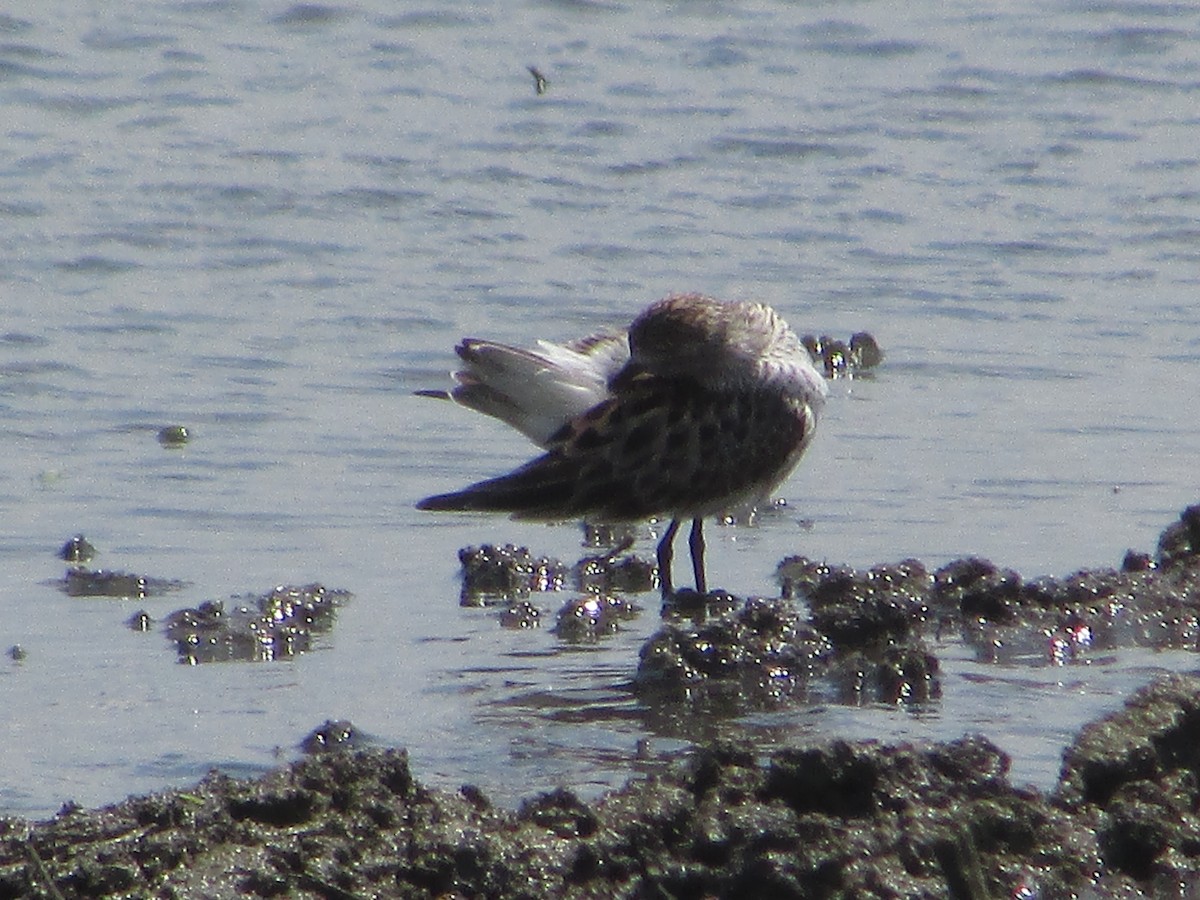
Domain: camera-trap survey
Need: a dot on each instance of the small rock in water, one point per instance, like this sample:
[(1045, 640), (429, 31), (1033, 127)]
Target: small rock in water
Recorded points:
[(608, 574), (83, 582), (839, 359), (493, 573), (1179, 544), (589, 617), (335, 734), (521, 614), (762, 649), (606, 536), (173, 436), (77, 550), (507, 572), (864, 351), (276, 625)]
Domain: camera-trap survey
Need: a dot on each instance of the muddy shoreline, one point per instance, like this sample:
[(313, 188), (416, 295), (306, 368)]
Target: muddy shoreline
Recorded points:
[(838, 819), (832, 819)]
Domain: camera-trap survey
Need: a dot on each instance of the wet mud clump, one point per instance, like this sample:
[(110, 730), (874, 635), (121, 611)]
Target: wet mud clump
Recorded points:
[(612, 573), (492, 574), (838, 634), (751, 652), (835, 634), (834, 818), (80, 581), (841, 359), (1136, 775), (1179, 545), (509, 576), (837, 819), (591, 616), (77, 550), (276, 625), (173, 436), (335, 734), (83, 582), (1151, 601)]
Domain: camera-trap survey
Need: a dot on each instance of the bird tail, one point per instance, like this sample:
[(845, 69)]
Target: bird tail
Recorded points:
[(542, 489)]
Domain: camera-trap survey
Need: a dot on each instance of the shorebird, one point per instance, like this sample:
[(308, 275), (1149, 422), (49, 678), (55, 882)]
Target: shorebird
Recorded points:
[(700, 407)]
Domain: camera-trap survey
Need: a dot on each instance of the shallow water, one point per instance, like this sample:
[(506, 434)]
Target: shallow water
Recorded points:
[(271, 224)]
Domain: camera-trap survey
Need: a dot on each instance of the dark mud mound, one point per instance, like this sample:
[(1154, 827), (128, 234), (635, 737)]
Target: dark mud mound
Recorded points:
[(276, 625), (835, 820), (494, 575), (841, 359), (80, 581)]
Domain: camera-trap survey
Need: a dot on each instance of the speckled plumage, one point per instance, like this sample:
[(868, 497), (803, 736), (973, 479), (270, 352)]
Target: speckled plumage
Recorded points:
[(712, 408)]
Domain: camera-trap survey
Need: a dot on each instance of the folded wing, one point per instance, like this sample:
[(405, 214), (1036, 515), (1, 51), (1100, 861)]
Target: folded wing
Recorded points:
[(537, 391), (658, 446)]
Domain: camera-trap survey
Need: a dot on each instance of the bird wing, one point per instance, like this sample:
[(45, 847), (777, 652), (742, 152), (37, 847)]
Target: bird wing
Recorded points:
[(536, 391), (656, 446)]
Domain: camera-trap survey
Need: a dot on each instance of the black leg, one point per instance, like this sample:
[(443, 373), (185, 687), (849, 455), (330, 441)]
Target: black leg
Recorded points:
[(696, 545), (665, 552)]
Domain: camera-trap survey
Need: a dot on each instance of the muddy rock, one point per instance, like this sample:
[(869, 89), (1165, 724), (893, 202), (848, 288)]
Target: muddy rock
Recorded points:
[(881, 605), (83, 582), (976, 588), (839, 359), (274, 625), (587, 618), (508, 572), (1135, 777), (856, 643), (335, 734), (77, 550), (836, 819), (760, 651), (613, 574), (1179, 545), (1150, 601), (522, 614), (897, 673), (174, 436)]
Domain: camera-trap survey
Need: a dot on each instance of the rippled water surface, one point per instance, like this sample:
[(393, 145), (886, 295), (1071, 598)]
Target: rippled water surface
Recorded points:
[(270, 223)]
